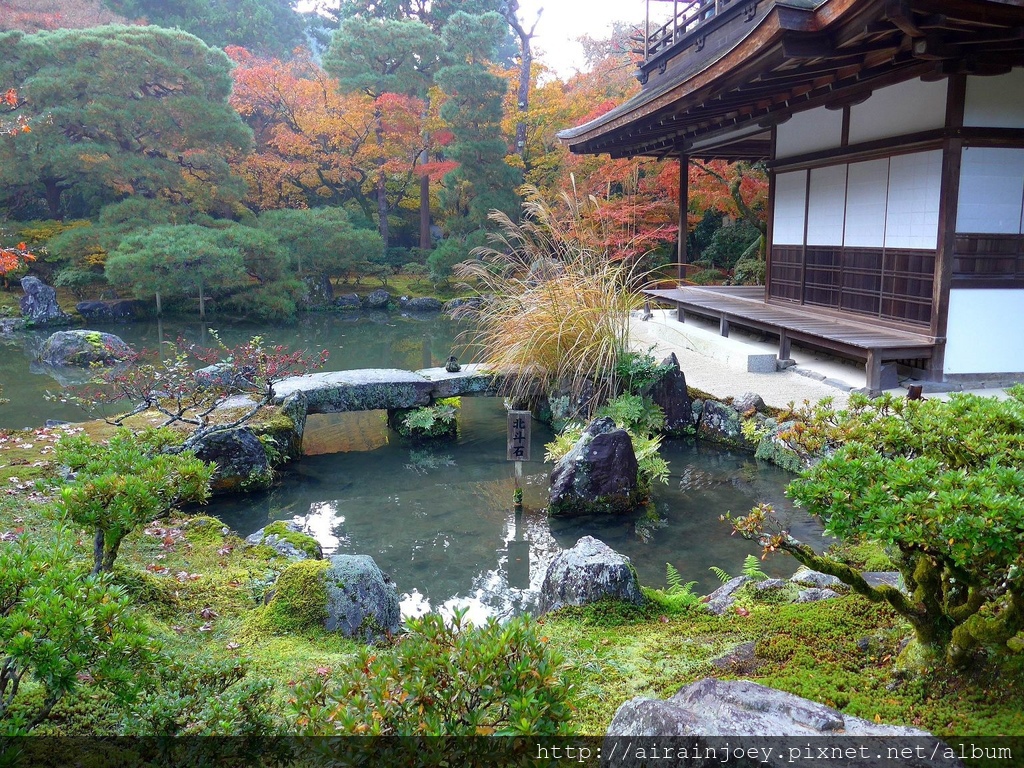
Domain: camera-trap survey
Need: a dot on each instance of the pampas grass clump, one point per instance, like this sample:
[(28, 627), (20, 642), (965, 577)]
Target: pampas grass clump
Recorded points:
[(558, 319)]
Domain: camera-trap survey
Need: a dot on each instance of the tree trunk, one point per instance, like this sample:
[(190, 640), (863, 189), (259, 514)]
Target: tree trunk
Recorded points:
[(97, 551), (425, 212), (53, 190), (382, 191), (202, 299), (525, 65)]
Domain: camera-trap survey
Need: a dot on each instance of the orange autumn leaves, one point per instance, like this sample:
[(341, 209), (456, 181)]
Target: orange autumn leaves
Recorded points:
[(12, 258), (10, 99), (314, 143)]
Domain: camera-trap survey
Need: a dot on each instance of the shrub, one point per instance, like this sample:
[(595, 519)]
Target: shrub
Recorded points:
[(443, 679), (729, 243), (637, 371), (201, 697), (439, 419), (938, 482), (124, 482), (58, 628)]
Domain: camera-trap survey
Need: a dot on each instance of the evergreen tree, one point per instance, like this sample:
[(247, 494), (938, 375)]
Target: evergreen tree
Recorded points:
[(117, 112)]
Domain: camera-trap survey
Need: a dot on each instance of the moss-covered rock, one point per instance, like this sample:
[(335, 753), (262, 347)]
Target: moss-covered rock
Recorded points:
[(299, 600), (287, 539)]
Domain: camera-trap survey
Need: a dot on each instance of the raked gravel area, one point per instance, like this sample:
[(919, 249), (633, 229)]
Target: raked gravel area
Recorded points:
[(713, 365)]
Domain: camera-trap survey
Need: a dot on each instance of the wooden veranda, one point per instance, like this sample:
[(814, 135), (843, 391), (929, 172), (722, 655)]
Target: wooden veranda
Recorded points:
[(744, 306)]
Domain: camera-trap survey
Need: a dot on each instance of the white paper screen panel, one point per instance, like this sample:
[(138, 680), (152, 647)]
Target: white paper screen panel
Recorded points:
[(790, 204), (912, 212), (899, 109), (809, 131), (826, 209), (986, 331), (867, 188), (991, 190), (995, 102)]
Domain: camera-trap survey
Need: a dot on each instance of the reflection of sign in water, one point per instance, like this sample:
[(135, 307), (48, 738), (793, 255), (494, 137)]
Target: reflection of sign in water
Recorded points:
[(518, 436)]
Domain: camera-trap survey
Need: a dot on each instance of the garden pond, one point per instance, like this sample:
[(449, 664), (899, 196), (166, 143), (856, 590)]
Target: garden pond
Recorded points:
[(438, 517)]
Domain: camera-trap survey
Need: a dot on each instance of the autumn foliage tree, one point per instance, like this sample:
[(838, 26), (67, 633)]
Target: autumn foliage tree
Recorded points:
[(317, 145)]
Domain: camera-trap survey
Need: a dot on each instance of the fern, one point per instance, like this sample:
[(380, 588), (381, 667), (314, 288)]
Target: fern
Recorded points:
[(752, 569), (672, 577), (678, 597), (720, 574)]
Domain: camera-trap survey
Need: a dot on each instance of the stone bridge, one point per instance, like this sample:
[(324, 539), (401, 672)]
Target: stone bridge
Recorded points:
[(370, 389)]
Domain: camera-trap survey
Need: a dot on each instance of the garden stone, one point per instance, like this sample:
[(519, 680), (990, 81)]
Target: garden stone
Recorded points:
[(769, 585), (464, 303), (115, 310), (317, 292), (598, 474), (703, 713), (811, 578), (671, 395), (348, 301), (378, 299), (279, 541), (722, 599), (39, 304), (84, 349), (588, 572), (814, 595), (721, 423), (421, 304), (749, 402), (740, 660), (362, 602), (240, 457)]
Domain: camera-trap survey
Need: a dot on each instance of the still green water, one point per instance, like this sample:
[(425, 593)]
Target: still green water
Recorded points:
[(439, 518)]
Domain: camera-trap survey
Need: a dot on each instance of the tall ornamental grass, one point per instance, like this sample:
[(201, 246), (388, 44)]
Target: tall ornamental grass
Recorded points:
[(558, 319)]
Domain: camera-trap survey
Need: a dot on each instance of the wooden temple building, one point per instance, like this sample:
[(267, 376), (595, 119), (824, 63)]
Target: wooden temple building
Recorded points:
[(893, 131)]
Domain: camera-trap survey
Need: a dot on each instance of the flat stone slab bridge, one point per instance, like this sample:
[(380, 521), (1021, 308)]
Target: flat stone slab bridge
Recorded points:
[(371, 389)]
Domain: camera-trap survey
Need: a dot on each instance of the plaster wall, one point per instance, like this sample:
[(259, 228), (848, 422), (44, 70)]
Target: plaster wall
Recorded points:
[(986, 331)]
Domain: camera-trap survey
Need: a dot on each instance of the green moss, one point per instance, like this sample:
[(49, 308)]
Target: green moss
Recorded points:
[(299, 602), (301, 541), (204, 529), (863, 554)]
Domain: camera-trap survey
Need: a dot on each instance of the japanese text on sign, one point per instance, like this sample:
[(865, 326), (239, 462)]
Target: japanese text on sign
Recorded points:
[(518, 436)]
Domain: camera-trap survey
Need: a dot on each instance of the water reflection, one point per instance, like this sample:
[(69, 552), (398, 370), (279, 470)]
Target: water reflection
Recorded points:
[(439, 519)]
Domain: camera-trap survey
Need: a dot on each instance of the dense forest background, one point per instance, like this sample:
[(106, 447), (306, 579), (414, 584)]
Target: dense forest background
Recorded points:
[(245, 150)]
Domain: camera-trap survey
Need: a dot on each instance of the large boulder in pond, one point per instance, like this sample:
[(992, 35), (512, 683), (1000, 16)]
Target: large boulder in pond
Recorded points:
[(598, 474), (39, 304), (670, 393), (377, 299), (317, 293), (420, 304), (84, 349), (706, 715), (722, 423), (362, 601), (116, 310), (588, 572), (241, 460), (348, 301)]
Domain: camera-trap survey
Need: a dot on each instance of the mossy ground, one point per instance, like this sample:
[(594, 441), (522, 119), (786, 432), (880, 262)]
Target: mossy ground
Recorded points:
[(840, 652), (200, 589)]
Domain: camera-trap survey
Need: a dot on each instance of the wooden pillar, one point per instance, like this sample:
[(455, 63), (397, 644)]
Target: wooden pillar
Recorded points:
[(684, 204), (949, 192)]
